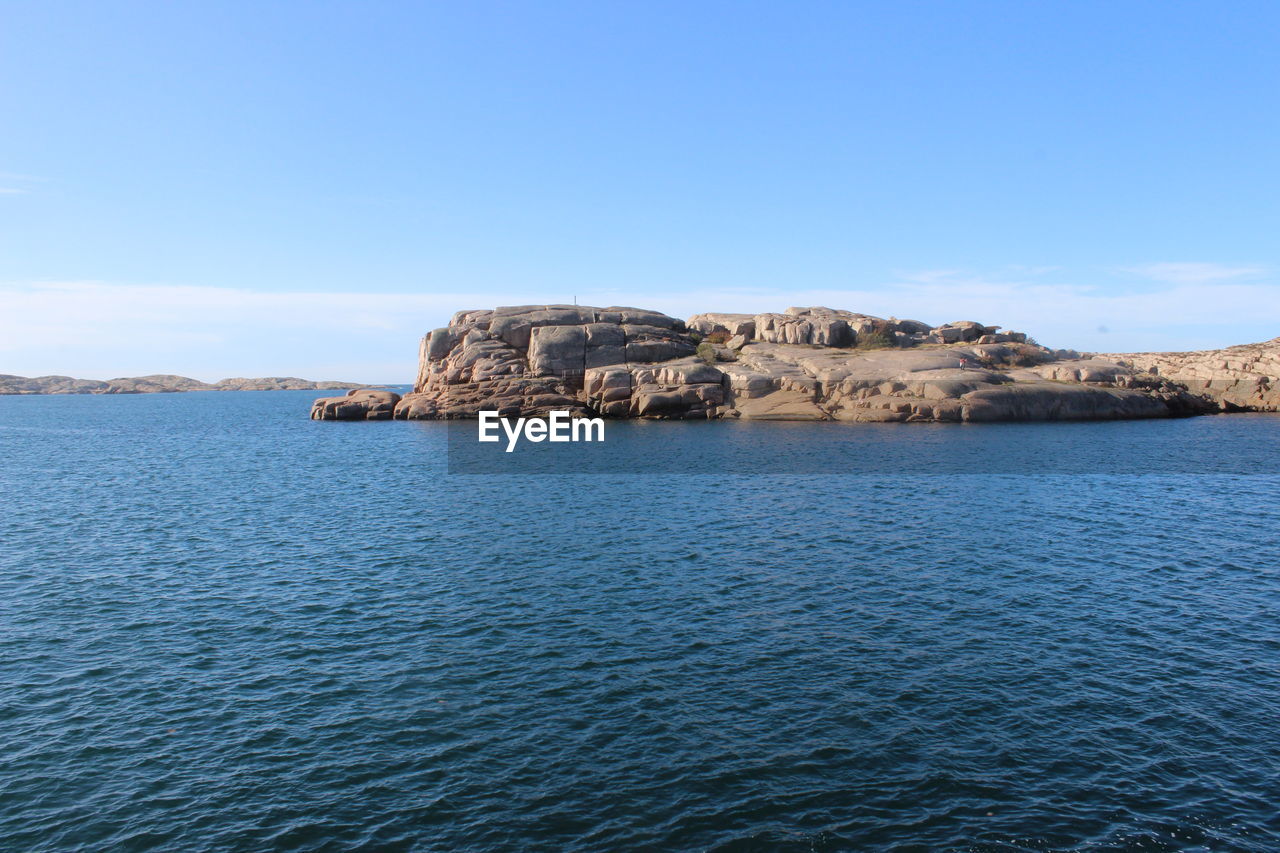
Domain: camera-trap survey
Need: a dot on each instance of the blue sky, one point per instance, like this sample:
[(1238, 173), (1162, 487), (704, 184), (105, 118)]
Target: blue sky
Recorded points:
[(251, 189)]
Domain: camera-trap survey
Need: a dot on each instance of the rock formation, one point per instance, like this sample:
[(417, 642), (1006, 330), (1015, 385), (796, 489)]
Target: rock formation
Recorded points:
[(802, 364), (835, 328), (532, 359), (157, 384), (360, 404), (1239, 378)]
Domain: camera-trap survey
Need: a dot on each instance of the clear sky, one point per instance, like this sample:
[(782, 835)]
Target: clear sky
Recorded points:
[(304, 188)]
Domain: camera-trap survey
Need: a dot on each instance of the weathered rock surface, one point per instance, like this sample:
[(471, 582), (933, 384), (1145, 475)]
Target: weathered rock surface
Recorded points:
[(532, 359), (157, 384), (976, 382), (802, 364), (1239, 378), (360, 404), (724, 324)]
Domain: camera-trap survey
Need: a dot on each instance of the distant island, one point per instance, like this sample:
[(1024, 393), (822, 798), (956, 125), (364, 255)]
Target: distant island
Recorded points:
[(159, 384), (804, 364), (813, 364)]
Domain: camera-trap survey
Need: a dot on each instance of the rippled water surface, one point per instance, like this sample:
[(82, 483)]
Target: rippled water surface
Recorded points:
[(226, 627)]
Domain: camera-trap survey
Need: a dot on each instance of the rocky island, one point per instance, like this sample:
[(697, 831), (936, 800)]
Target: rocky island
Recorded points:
[(802, 364), (158, 384)]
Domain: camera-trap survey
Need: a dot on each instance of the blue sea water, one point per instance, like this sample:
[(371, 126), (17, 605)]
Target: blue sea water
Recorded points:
[(226, 627)]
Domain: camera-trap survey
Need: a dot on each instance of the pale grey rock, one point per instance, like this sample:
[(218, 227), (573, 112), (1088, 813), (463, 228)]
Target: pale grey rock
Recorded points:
[(357, 405), (641, 317), (725, 324), (440, 341), (909, 327), (605, 335), (815, 326), (1238, 378), (684, 388), (646, 343), (558, 350)]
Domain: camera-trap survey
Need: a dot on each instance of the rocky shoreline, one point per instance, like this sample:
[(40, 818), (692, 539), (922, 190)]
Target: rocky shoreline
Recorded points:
[(158, 384), (802, 364)]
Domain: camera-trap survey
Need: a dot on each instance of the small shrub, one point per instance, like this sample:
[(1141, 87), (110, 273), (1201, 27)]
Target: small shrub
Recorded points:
[(879, 337), (718, 337), (1027, 355), (707, 352)]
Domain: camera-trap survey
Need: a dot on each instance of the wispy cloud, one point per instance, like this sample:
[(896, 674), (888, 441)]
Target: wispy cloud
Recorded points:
[(1086, 316), (14, 183), (1188, 272), (101, 330)]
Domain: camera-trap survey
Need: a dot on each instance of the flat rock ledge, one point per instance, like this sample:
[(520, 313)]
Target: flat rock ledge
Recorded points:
[(1242, 378), (361, 404), (801, 364)]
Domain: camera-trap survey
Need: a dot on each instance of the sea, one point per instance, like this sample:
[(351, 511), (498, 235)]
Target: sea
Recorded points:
[(225, 627)]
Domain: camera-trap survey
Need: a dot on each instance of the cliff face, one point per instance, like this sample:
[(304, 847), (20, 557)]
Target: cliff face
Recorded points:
[(1239, 378), (533, 359), (801, 364)]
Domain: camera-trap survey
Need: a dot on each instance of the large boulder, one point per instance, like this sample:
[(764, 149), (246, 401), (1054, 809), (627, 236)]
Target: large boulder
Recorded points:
[(814, 326), (646, 344), (361, 404), (723, 324), (684, 388)]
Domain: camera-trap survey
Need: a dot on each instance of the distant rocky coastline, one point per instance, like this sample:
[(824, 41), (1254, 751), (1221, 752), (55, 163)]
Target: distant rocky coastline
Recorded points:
[(158, 384), (803, 364)]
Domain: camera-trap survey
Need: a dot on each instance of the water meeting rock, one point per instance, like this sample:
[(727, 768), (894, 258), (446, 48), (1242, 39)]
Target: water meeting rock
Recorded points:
[(1240, 378), (361, 404), (814, 363)]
